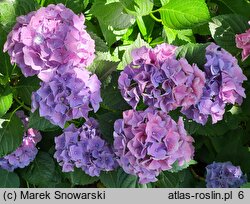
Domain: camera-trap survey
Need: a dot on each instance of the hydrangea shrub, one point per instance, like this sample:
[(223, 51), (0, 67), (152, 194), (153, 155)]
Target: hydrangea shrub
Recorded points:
[(93, 94)]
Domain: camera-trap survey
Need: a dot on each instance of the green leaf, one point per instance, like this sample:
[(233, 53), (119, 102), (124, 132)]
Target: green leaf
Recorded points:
[(224, 28), (9, 179), (138, 7), (112, 14), (194, 53), (11, 134), (145, 25), (246, 185), (111, 95), (176, 167), (177, 37), (6, 67), (179, 14), (10, 9), (241, 7), (112, 19), (6, 99), (103, 65), (118, 179), (78, 177), (25, 87), (41, 172), (168, 180), (40, 123), (127, 58), (106, 122), (77, 6), (100, 45)]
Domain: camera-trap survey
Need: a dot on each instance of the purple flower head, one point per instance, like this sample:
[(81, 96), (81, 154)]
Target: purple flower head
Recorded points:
[(243, 42), (224, 175), (223, 86), (69, 95), (26, 152), (161, 80), (43, 40), (148, 142), (84, 148)]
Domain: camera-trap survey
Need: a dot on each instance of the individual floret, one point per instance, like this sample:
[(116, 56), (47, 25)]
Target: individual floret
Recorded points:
[(26, 152), (224, 175), (69, 95), (43, 40), (148, 142), (84, 148)]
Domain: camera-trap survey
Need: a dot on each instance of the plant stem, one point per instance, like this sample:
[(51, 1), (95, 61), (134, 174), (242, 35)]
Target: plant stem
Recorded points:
[(156, 19), (196, 175), (22, 104)]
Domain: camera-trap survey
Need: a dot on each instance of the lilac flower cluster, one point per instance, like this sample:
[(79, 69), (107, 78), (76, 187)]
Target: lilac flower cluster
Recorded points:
[(26, 152), (43, 40), (223, 86), (243, 42), (148, 142), (161, 80), (224, 175), (67, 96), (84, 148)]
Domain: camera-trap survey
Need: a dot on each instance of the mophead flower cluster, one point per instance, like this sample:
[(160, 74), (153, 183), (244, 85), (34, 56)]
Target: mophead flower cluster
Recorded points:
[(84, 148), (148, 142), (161, 80), (69, 95), (224, 175), (26, 152), (43, 40), (243, 42), (223, 86)]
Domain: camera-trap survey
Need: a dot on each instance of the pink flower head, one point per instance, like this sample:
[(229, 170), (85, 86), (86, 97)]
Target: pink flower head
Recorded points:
[(148, 142), (161, 80), (43, 40)]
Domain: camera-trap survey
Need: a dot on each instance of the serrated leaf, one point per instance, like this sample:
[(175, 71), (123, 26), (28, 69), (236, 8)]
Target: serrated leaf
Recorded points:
[(112, 14), (138, 7), (78, 177), (177, 168), (127, 58), (118, 179), (11, 134), (112, 19), (179, 14), (111, 96), (9, 179), (177, 37), (6, 67), (194, 53), (224, 28), (103, 67), (168, 180), (100, 45), (106, 122), (25, 87), (41, 171), (40, 123), (77, 6), (6, 99), (239, 7), (246, 185), (10, 9)]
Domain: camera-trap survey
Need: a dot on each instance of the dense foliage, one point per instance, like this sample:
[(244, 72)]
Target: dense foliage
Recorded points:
[(120, 93)]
